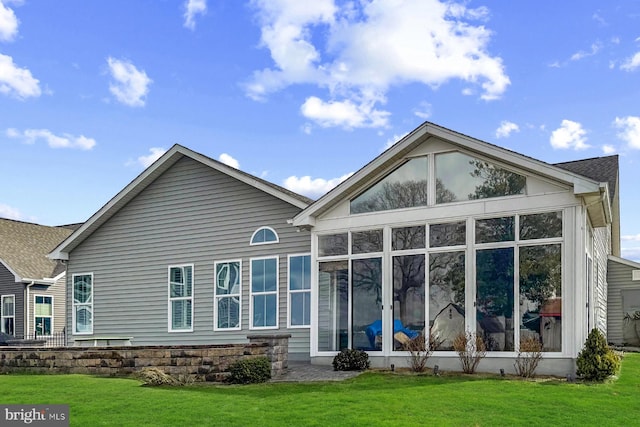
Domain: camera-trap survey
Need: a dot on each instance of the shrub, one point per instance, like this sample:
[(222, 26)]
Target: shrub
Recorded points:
[(154, 377), (419, 353), (597, 361), (529, 356), (351, 360), (470, 349), (249, 371)]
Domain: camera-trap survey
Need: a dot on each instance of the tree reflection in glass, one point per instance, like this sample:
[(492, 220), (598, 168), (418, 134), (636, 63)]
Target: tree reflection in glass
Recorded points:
[(446, 298)]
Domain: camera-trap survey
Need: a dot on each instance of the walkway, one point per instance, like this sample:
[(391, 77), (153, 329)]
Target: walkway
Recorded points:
[(305, 372)]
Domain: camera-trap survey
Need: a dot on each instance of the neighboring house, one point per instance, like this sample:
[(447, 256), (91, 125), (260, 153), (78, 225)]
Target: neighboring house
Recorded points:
[(623, 307), (442, 220), (32, 286), (190, 252)]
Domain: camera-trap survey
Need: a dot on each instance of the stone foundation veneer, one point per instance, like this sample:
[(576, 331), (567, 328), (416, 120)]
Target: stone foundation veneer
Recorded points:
[(201, 362)]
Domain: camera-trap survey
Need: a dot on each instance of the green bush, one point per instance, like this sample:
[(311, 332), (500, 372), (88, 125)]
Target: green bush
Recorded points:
[(249, 371), (597, 361), (351, 360)]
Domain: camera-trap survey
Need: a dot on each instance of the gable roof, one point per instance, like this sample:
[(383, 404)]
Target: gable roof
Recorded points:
[(601, 169), (154, 171), (592, 189), (25, 247)]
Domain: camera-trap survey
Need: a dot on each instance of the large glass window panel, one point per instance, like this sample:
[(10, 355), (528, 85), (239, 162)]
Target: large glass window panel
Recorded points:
[(181, 297), (495, 230), (541, 226), (366, 304), (408, 238), (83, 302), (264, 291), (84, 318), (333, 244), (405, 187), (541, 295), (264, 276), (300, 290), (333, 306), (264, 310), (448, 234), (181, 314), (366, 241), (7, 314), (180, 282), (460, 177), (227, 294), (43, 314), (446, 298), (408, 299), (495, 297)]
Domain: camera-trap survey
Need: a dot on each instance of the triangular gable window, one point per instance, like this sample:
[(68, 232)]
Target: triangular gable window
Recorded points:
[(405, 187), (460, 177)]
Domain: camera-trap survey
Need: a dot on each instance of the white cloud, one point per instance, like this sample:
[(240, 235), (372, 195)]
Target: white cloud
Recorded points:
[(570, 134), (631, 253), (229, 161), (130, 85), (17, 82), (631, 238), (8, 212), (193, 8), (145, 161), (631, 63), (358, 50), (608, 149), (8, 24), (506, 128), (343, 113), (312, 188), (424, 110), (595, 48), (30, 136), (629, 130)]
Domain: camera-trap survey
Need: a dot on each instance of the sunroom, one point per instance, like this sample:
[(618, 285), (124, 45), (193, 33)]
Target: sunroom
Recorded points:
[(441, 235)]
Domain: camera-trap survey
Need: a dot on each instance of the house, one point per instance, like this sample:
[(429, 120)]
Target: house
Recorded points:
[(623, 307), (32, 296), (441, 220), (191, 252)]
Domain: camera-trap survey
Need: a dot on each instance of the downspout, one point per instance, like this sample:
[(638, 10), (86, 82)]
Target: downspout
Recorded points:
[(26, 330)]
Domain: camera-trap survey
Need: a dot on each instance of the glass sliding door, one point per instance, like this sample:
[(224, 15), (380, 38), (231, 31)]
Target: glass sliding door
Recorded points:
[(495, 297), (408, 299), (333, 306), (366, 325)]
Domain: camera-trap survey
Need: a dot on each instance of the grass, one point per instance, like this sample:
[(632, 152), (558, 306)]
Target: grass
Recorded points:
[(371, 399)]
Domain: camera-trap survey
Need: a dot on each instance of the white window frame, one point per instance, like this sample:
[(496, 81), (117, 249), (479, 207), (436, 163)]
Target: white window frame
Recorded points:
[(3, 316), (252, 243), (276, 292), (217, 297), (298, 291), (35, 315), (170, 299), (89, 305)]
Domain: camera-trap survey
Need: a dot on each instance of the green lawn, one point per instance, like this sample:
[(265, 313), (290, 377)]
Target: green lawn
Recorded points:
[(371, 399)]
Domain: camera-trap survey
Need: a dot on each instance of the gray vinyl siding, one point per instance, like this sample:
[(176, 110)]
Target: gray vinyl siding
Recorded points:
[(619, 278), (8, 286), (191, 214)]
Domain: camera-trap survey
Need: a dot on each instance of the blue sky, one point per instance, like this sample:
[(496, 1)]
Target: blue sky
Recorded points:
[(303, 93)]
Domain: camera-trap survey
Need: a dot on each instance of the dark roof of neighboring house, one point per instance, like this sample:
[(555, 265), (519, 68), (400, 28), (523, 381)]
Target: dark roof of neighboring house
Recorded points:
[(24, 247), (601, 169)]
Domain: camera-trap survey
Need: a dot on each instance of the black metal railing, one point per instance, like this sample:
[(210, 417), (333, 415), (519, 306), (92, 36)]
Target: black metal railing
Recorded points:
[(56, 339)]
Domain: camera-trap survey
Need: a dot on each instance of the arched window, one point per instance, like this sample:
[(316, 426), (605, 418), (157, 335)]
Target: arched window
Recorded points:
[(264, 236)]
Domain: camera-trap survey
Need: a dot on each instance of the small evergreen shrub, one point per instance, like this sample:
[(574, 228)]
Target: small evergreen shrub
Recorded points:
[(250, 371), (597, 361), (351, 360)]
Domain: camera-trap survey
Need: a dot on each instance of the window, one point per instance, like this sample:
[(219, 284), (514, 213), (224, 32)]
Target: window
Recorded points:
[(82, 303), (43, 310), (8, 314), (264, 293), (405, 187), (299, 290), (264, 236), (181, 298), (333, 244), (227, 295), (460, 177)]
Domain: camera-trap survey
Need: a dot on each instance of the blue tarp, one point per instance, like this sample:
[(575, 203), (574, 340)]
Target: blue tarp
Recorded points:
[(375, 329)]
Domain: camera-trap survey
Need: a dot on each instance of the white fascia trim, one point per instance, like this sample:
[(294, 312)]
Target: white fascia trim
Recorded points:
[(44, 281), (624, 261)]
